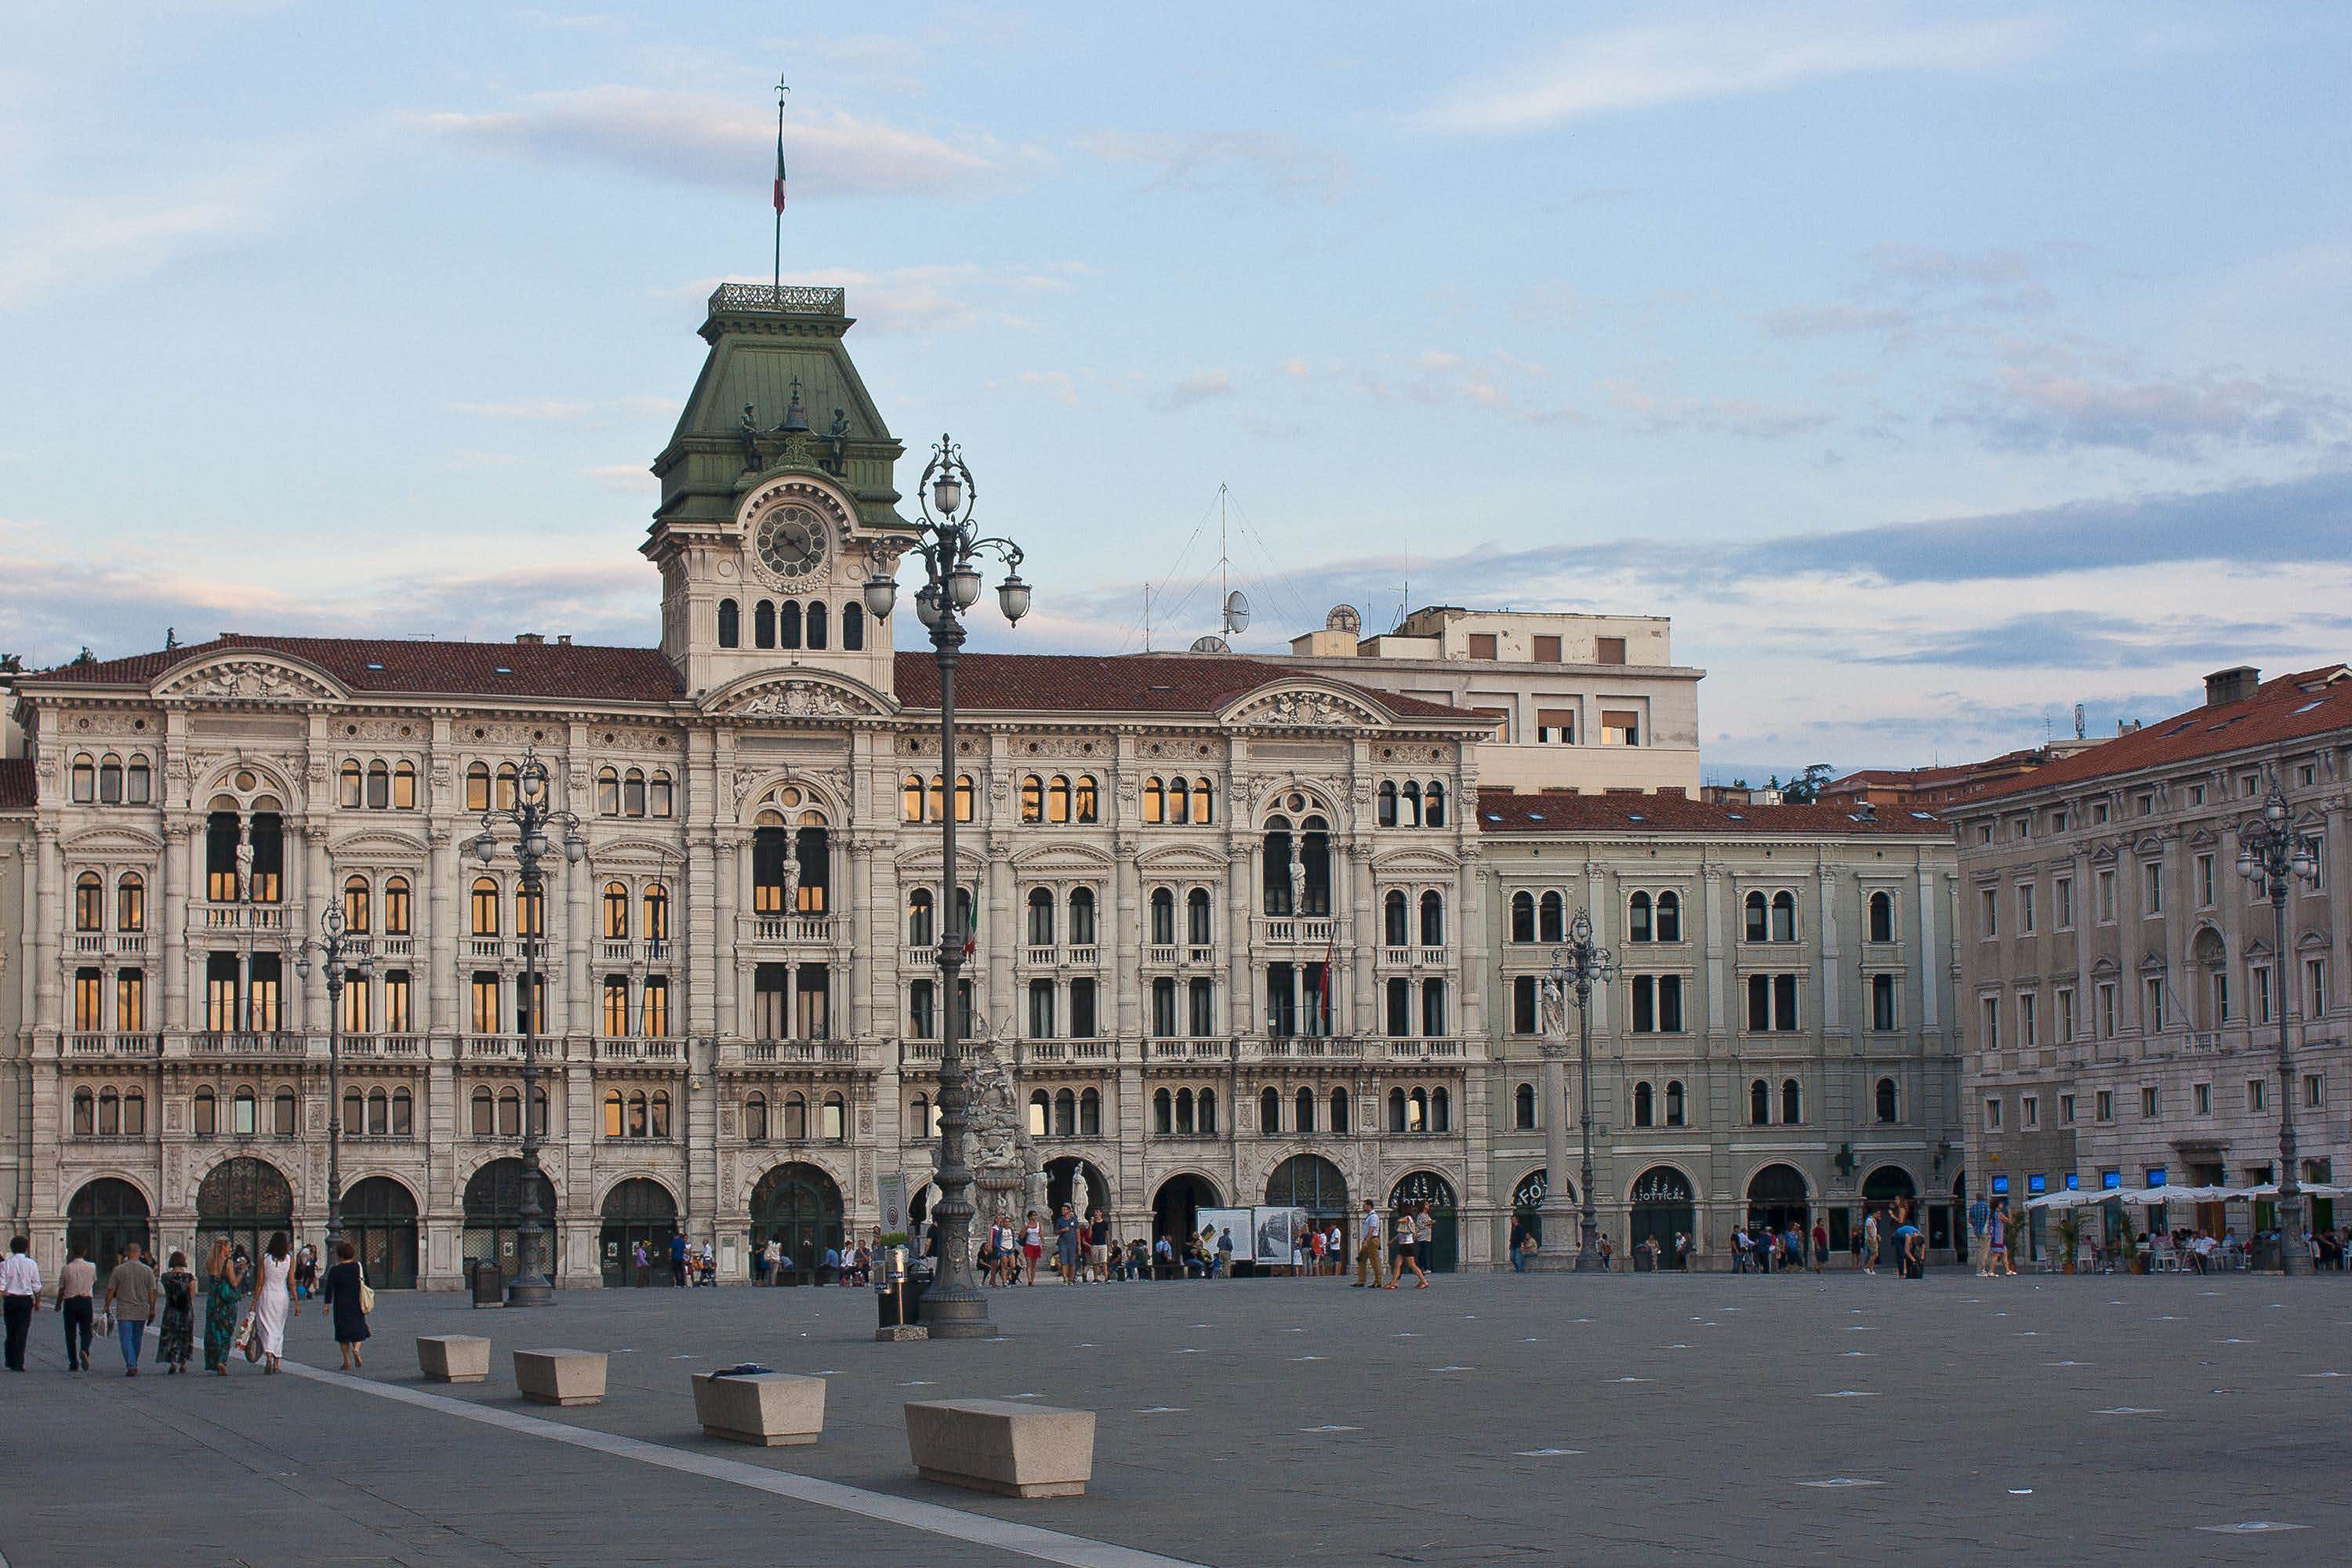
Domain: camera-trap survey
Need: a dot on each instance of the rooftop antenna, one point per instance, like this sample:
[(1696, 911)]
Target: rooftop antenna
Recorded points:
[(1146, 617), (2079, 718), (1234, 612)]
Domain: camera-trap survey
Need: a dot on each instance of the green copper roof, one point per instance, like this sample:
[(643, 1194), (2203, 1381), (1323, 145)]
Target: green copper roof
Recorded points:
[(766, 343)]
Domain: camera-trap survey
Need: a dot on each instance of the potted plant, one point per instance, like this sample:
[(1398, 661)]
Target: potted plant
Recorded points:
[(2128, 1243), (2070, 1238)]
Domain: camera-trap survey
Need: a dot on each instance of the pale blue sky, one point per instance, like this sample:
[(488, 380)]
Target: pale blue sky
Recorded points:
[(1934, 368)]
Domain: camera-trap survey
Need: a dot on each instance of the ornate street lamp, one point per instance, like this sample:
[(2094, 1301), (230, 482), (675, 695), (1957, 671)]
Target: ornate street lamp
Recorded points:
[(1576, 968), (954, 1307), (2274, 857), (530, 817), (345, 958)]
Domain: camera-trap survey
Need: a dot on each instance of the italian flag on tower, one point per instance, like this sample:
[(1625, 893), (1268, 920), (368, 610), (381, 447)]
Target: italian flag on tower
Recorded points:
[(780, 162)]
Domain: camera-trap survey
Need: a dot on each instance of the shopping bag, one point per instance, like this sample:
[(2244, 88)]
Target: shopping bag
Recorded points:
[(367, 1293)]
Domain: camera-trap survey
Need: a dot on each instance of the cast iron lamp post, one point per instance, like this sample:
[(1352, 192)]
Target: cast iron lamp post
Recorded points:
[(1576, 968), (531, 816), (2274, 857), (954, 1307), (345, 957)]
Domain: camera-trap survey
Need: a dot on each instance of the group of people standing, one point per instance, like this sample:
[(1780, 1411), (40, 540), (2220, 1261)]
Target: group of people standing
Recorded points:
[(1767, 1247), (1412, 1237), (136, 1295)]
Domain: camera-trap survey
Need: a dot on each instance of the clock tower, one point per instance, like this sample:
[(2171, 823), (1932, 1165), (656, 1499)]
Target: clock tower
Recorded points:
[(778, 497)]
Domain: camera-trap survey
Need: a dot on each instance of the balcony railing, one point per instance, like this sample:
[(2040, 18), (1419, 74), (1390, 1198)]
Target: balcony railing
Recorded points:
[(495, 1047), (791, 931), (1309, 1047), (236, 1043), (1197, 1050), (390, 1047), (778, 1053), (241, 917), (1160, 953), (1309, 931), (1421, 1049), (114, 1045), (640, 1050)]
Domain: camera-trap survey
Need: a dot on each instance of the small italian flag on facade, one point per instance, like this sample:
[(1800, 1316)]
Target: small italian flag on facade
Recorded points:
[(780, 169)]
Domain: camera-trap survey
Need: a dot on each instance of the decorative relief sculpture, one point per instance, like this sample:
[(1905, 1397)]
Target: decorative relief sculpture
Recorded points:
[(1308, 711), (253, 679), (795, 700)]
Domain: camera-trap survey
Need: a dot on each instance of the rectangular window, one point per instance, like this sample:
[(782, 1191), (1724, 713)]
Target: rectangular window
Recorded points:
[(1993, 1113), (2318, 883), (654, 1013), (2148, 1103), (2257, 1093), (1670, 1004), (2205, 881), (1621, 727), (1784, 1002), (2061, 891), (922, 1017), (1546, 649), (2029, 1112), (2028, 1033), (2025, 909), (1524, 1012), (2151, 888), (2259, 975), (1556, 726), (1082, 1009), (1759, 1002), (2066, 1014), (2104, 891), (2314, 1090), (1201, 1004), (357, 1012), (2153, 1001), (89, 1000), (1609, 650), (2104, 1107), (129, 1001), (222, 1014), (1482, 644), (1645, 1004), (1989, 912), (1163, 1008), (485, 1015), (1988, 1036), (616, 1005), (398, 1018), (2105, 1001), (2065, 1110), (1041, 1009), (2314, 988), (2201, 1099), (1882, 1003)]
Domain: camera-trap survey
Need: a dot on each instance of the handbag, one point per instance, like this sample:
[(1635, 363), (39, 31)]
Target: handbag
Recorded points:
[(367, 1291), (248, 1339)]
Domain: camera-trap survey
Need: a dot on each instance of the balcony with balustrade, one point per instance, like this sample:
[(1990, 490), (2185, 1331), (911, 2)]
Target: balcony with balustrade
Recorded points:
[(383, 1048), (1316, 932), (250, 1043), (114, 1047), (221, 916), (773, 936)]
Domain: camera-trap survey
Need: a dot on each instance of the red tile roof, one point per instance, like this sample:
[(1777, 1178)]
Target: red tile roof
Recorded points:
[(2285, 708), (1504, 811), (567, 670), (1126, 683), (17, 790)]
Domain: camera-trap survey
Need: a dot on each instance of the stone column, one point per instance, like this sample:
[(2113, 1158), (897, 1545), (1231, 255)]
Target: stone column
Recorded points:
[(1831, 1011), (1468, 946), (873, 901), (49, 995), (1364, 999), (170, 965), (1004, 934), (1242, 870), (1124, 931), (727, 966)]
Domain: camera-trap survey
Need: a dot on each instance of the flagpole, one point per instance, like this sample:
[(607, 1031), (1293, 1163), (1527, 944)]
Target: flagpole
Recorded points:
[(776, 279)]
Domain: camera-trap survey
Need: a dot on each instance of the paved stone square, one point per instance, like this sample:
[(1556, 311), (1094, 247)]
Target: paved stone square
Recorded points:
[(1490, 1419)]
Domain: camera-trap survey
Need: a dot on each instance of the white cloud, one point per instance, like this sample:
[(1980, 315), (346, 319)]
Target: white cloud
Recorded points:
[(1204, 387), (708, 140), (1058, 384), (1279, 167), (1643, 68), (1712, 415), (68, 245)]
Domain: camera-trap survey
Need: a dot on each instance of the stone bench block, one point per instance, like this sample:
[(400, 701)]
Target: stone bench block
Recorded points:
[(561, 1377), (1010, 1448), (453, 1357), (769, 1409)]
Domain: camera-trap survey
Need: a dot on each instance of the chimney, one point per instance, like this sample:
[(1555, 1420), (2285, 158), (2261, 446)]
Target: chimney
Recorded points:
[(531, 639), (2233, 685), (563, 640)]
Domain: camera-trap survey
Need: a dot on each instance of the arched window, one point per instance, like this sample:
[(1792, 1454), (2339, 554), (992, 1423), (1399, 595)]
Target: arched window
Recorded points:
[(1670, 917), (404, 787), (1163, 916), (755, 1118), (1041, 918), (1886, 1103), (661, 1113), (1792, 1100), (918, 1117), (90, 902), (1199, 918), (1066, 1114), (478, 787), (1179, 801), (1033, 798), (1523, 917), (510, 779), (282, 1114), (404, 1114), (1388, 804), (379, 786), (1399, 1116), (1303, 1112), (85, 1114), (1409, 804), (1338, 1110), (206, 1114), (1089, 1113), (910, 797), (730, 623), (137, 793), (633, 793), (853, 628), (1433, 919), (1085, 802), (1208, 1113), (109, 1113), (355, 904), (608, 792), (485, 1113), (788, 624), (1675, 1103), (85, 780), (656, 912), (1523, 1108), (1784, 917), (1394, 929), (485, 907), (1269, 1111), (1057, 799), (819, 633), (795, 1117), (1441, 1111), (1184, 1111), (919, 928), (640, 1122), (1082, 917), (1759, 1103), (1637, 919), (1551, 924), (1041, 1112), (1881, 917), (379, 1113), (614, 1119), (130, 902), (1644, 1108), (509, 1113), (1433, 805), (531, 911), (396, 910), (764, 624), (348, 785), (616, 911), (1155, 800), (1163, 1115), (1758, 927)]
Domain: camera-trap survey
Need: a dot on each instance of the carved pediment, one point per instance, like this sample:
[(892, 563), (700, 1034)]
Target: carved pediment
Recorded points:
[(249, 676), (636, 853), (1401, 863), (1304, 708), (1062, 860), (2105, 967), (2152, 964), (1181, 859), (375, 845), (803, 697), (111, 844)]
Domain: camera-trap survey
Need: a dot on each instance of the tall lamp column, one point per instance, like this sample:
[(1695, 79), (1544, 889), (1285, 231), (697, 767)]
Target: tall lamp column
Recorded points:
[(1576, 968), (2274, 857), (345, 957)]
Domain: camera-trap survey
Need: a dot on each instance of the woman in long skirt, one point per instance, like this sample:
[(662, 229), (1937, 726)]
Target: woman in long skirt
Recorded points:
[(223, 1297), (178, 1333), (342, 1294), (273, 1300)]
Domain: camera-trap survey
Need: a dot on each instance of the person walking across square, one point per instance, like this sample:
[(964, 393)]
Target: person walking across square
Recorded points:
[(131, 1292), (76, 1312), (1368, 1249), (20, 1297)]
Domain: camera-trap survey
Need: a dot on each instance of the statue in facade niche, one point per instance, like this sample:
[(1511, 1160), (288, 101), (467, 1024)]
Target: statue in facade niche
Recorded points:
[(244, 861), (836, 444), (1297, 883), (792, 871)]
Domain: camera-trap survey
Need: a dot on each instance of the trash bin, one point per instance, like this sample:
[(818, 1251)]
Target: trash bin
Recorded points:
[(911, 1293), (489, 1286)]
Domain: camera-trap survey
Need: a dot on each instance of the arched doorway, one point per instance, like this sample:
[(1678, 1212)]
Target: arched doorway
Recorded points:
[(1528, 1200), (494, 1215), (246, 1200), (1663, 1208), (1072, 1181), (1311, 1181), (105, 1217), (1176, 1207), (1883, 1185), (1777, 1199), (380, 1222), (1421, 1187), (800, 1206), (639, 1210)]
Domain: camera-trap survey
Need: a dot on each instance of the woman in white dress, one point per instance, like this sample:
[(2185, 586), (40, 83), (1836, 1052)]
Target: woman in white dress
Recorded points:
[(275, 1300)]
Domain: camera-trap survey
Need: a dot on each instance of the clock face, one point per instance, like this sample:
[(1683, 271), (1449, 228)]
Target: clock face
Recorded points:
[(791, 542)]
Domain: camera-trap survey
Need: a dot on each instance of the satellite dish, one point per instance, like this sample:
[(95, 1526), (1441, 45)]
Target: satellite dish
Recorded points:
[(1211, 645), (1237, 612), (1343, 618)]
